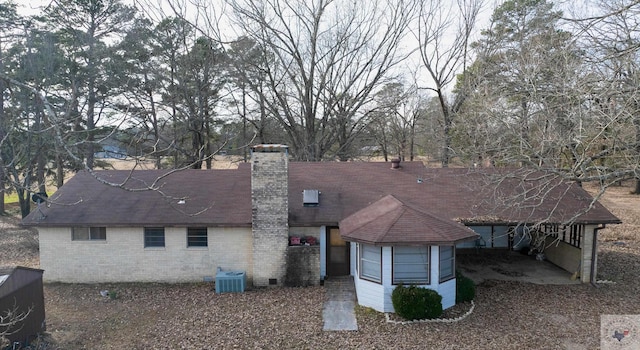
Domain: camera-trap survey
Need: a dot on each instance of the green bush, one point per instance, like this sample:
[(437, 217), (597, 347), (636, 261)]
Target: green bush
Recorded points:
[(415, 303), (465, 288)]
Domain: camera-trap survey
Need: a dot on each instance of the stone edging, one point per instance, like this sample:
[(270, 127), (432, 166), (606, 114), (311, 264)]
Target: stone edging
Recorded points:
[(605, 282), (435, 320)]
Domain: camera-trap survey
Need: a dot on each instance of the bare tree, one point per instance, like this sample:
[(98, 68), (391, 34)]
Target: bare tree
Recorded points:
[(556, 102), (611, 39), (11, 322), (399, 112), (522, 93), (444, 33), (327, 58)]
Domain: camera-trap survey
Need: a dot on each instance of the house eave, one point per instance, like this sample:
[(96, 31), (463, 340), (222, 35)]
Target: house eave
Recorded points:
[(408, 243), (494, 222), (137, 224)]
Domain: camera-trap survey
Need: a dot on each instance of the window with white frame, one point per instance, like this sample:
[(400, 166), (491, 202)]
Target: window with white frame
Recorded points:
[(411, 265), (85, 233), (371, 263), (447, 263)]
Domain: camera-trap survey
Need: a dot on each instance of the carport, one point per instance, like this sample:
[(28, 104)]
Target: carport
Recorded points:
[(508, 265), (569, 252)]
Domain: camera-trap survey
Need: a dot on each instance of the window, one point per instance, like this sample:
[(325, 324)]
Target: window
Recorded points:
[(153, 237), (371, 263), (447, 263), (88, 233), (197, 237), (411, 265)]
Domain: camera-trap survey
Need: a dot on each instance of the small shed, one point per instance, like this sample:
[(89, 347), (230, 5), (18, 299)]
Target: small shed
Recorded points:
[(21, 291)]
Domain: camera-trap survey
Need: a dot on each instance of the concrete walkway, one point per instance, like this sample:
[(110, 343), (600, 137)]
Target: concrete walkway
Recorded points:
[(338, 311)]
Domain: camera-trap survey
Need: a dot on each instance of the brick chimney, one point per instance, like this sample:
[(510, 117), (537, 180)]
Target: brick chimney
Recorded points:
[(270, 213)]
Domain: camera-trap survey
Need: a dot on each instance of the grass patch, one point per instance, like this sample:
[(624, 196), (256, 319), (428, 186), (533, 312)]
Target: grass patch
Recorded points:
[(10, 198), (364, 310)]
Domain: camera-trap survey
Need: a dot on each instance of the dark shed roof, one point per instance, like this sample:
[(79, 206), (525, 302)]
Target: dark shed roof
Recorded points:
[(21, 288)]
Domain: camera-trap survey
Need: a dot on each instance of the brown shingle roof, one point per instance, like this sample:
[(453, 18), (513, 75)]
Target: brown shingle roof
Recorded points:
[(390, 221), (150, 197), (223, 197), (486, 195)]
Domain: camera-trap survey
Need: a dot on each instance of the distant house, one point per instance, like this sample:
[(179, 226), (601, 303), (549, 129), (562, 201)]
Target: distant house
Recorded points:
[(298, 223), (21, 294), (111, 152)]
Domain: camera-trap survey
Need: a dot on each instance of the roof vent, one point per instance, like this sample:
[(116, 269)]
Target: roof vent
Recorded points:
[(311, 198), (395, 163)]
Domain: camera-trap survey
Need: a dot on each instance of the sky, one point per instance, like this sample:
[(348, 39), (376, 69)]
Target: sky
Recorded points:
[(30, 7)]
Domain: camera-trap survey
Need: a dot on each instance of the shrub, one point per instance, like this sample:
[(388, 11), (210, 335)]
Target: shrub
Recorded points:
[(465, 288), (414, 303)]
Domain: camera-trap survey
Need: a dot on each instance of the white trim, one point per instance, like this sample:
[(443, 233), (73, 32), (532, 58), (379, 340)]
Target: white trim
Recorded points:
[(323, 252)]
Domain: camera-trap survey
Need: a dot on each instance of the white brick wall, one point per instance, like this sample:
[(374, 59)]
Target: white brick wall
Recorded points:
[(123, 258)]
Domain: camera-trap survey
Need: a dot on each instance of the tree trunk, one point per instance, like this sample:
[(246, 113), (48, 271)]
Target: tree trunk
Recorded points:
[(2, 136), (91, 101), (59, 170), (636, 123), (41, 161), (154, 123), (446, 119)]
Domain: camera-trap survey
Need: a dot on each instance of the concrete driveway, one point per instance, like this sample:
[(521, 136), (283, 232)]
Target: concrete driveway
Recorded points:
[(486, 264)]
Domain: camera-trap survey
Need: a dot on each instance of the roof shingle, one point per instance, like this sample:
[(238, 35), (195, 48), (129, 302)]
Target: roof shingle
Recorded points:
[(390, 221), (223, 197)]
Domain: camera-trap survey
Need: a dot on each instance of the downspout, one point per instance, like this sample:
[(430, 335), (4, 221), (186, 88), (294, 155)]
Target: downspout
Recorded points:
[(594, 256)]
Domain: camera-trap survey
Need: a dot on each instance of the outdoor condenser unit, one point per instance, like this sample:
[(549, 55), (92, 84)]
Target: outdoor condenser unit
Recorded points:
[(230, 281)]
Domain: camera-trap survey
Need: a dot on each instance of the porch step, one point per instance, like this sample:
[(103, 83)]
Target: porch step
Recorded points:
[(338, 311)]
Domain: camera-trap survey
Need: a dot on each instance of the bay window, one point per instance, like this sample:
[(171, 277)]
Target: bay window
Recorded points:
[(371, 263), (411, 265)]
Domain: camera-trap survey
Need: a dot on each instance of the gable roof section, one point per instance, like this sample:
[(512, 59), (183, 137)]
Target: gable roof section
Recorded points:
[(390, 221), (345, 187), (150, 198)]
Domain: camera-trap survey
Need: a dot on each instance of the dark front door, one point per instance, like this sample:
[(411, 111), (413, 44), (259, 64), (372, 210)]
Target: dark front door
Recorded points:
[(337, 254)]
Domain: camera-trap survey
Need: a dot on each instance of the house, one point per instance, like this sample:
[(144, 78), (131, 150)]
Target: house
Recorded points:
[(298, 223), (21, 294)]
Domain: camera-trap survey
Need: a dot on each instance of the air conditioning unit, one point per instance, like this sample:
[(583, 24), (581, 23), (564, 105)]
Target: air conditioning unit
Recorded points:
[(230, 281)]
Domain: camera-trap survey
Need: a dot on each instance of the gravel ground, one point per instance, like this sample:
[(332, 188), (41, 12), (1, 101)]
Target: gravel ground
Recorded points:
[(508, 315)]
